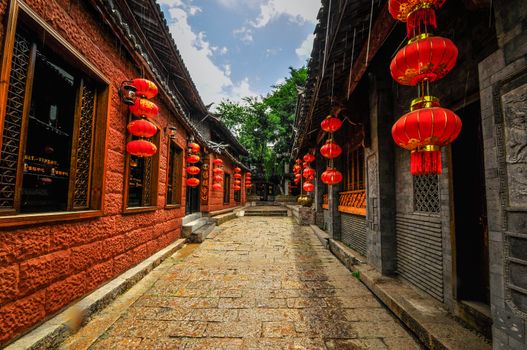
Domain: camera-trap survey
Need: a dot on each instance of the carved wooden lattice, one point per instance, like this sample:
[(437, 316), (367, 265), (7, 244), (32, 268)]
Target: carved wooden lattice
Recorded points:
[(325, 201), (13, 122), (147, 185), (84, 149), (426, 194), (353, 202)]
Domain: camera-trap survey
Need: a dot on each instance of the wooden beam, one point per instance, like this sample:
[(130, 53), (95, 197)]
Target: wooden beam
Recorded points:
[(380, 31)]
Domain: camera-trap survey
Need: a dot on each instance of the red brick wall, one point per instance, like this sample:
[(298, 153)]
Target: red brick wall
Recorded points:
[(45, 267), (216, 197)]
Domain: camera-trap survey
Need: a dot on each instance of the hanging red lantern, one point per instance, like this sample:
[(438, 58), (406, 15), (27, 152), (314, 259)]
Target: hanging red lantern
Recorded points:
[(428, 59), (415, 13), (237, 176), (144, 108), (217, 162), (423, 132), (141, 148), (331, 124), (194, 147), (218, 178), (248, 174), (308, 172), (308, 187), (298, 161), (330, 150), (237, 182), (217, 171), (193, 170), (217, 187), (193, 182), (237, 170), (308, 158), (193, 158), (237, 188), (142, 128), (143, 87), (298, 176), (297, 168), (331, 176)]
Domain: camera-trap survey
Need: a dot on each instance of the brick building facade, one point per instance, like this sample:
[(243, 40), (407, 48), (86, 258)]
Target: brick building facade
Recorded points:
[(459, 237), (77, 212)]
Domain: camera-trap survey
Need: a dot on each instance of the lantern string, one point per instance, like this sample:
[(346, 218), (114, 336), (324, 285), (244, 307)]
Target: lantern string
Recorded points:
[(351, 64), (369, 34), (466, 89)]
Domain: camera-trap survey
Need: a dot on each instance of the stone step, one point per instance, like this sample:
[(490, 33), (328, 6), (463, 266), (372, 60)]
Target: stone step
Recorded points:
[(201, 234), (223, 218), (265, 213), (191, 217), (193, 226)]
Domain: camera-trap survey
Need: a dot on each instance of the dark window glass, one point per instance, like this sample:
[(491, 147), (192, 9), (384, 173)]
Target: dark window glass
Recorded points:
[(227, 189), (175, 174)]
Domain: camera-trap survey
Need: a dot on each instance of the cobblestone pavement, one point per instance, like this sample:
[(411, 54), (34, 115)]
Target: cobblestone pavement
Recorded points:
[(258, 283)]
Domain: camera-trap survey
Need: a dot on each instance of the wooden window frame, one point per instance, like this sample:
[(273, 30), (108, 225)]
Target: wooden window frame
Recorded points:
[(227, 188), (18, 13), (154, 178), (177, 186), (353, 170)]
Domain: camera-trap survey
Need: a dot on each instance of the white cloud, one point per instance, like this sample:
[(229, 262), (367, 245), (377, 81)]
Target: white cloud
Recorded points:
[(304, 51), (299, 11), (272, 51), (214, 83), (245, 34)]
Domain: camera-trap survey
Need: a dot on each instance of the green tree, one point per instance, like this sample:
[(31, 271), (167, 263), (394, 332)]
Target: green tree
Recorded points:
[(264, 126)]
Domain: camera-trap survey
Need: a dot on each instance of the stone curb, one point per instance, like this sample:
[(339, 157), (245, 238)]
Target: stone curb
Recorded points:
[(55, 330), (423, 315)]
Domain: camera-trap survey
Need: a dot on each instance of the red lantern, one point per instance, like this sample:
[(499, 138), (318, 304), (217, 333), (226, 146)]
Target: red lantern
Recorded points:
[(237, 188), (308, 158), (331, 176), (217, 171), (308, 172), (194, 147), (424, 131), (144, 88), (416, 13), (298, 176), (237, 176), (218, 178), (237, 182), (193, 158), (297, 168), (237, 170), (217, 187), (298, 161), (142, 128), (308, 187), (331, 124), (248, 174), (428, 59), (144, 108), (330, 150), (193, 170), (217, 162), (192, 182), (141, 148)]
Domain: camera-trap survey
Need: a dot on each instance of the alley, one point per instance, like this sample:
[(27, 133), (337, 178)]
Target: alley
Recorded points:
[(256, 283)]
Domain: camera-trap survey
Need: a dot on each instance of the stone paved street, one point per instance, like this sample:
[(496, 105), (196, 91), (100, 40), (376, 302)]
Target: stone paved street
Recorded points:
[(257, 283)]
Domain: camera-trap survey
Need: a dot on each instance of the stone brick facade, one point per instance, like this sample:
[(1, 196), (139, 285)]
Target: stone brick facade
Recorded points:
[(44, 267)]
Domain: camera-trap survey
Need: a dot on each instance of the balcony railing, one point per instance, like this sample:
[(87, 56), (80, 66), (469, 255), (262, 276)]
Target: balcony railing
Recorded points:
[(325, 202), (353, 202)]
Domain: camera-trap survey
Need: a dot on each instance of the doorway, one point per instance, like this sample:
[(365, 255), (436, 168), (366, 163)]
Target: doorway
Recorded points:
[(471, 230), (192, 201)]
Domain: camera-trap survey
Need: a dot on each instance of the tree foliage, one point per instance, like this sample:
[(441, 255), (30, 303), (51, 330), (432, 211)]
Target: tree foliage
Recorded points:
[(264, 125)]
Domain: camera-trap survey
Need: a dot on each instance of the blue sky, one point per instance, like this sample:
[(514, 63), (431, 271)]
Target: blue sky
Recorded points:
[(237, 48)]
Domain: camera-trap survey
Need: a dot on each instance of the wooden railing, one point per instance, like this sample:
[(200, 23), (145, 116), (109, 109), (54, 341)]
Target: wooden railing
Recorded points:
[(353, 202), (325, 202)]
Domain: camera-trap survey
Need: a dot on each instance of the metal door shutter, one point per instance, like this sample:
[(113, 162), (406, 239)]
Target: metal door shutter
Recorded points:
[(420, 252), (354, 231)]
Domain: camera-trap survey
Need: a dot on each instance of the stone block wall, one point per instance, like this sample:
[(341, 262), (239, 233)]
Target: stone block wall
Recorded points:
[(44, 267), (503, 82)]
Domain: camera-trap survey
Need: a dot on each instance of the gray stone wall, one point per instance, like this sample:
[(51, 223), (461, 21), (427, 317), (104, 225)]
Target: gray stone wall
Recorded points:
[(503, 83)]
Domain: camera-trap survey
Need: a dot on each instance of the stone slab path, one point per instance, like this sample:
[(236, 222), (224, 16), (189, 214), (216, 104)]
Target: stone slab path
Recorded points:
[(257, 283)]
